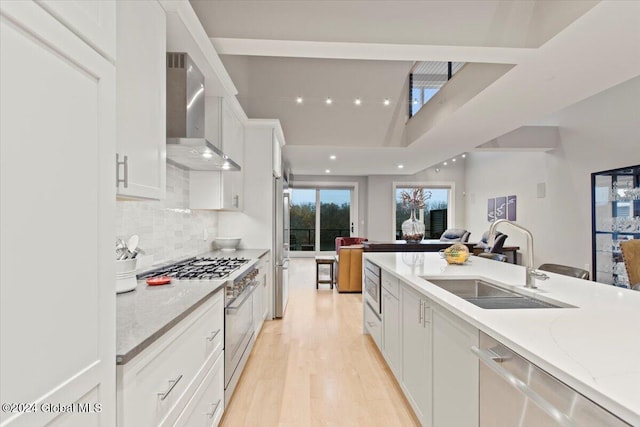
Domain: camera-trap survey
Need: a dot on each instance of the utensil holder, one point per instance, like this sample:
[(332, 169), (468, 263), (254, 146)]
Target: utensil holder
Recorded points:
[(126, 275)]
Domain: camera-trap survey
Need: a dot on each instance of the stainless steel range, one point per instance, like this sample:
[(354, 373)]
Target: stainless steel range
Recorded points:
[(238, 328), (198, 269)]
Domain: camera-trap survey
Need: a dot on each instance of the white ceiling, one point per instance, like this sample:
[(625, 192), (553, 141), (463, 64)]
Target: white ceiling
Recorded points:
[(564, 51)]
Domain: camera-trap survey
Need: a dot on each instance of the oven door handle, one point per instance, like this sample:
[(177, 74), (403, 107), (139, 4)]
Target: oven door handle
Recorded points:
[(249, 290), (491, 361)]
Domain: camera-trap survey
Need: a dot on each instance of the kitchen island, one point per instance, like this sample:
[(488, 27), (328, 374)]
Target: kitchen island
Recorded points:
[(593, 346)]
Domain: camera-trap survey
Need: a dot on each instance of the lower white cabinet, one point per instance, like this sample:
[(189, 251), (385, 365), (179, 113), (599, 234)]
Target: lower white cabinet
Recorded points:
[(455, 371), (207, 405), (428, 349), (372, 324), (391, 339), (155, 386), (416, 353)]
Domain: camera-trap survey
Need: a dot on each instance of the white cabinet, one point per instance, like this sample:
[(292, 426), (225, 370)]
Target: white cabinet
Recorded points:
[(156, 385), (57, 111), (455, 371), (260, 307), (141, 100), (93, 21), (416, 352), (207, 405), (391, 318), (222, 190)]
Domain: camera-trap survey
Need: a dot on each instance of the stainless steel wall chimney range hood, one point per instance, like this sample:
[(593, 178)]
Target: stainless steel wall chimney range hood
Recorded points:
[(186, 144)]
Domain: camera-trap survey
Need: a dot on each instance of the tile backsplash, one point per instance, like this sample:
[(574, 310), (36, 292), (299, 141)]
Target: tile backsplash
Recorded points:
[(168, 229)]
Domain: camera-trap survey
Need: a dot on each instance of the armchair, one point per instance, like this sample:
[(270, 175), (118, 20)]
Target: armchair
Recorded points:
[(483, 244), (455, 235)]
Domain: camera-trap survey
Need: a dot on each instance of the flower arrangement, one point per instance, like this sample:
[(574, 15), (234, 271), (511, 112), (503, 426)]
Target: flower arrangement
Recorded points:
[(414, 198)]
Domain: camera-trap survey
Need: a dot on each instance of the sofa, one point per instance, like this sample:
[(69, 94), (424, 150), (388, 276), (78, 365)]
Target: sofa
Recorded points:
[(349, 241), (349, 268)]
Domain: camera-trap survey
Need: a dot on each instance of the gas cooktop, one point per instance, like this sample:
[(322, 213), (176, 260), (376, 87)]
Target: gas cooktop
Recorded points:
[(198, 269)]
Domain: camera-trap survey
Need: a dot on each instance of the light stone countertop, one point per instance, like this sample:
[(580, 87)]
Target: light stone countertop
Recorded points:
[(594, 348), (148, 312)]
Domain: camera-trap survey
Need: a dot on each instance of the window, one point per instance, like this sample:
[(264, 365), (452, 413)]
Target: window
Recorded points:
[(426, 79), (435, 214)]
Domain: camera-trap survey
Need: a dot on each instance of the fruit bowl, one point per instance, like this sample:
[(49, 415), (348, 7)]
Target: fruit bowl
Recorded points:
[(227, 244)]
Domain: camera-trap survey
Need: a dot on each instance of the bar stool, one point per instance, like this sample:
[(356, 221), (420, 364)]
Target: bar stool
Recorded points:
[(328, 261)]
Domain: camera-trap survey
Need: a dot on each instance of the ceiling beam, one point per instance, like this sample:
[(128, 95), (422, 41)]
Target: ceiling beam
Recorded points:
[(370, 51)]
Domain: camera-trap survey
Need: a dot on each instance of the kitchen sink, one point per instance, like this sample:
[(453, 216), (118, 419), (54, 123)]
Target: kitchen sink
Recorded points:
[(491, 296)]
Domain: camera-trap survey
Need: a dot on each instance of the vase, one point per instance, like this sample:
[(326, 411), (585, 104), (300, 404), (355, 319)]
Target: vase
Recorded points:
[(412, 229)]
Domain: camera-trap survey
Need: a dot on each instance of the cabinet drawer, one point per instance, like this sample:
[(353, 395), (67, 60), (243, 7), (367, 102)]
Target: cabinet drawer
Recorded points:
[(373, 324), (391, 284), (158, 382), (207, 405)]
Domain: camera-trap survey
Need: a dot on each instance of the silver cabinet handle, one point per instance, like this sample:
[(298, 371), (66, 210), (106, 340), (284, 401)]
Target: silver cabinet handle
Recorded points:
[(213, 335), (421, 313), (236, 201), (215, 408), (247, 293), (125, 165), (489, 359), (172, 384)]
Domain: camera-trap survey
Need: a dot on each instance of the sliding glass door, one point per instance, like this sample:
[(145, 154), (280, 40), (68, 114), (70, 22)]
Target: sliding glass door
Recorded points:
[(318, 216)]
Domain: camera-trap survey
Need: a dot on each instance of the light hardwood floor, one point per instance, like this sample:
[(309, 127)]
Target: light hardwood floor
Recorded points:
[(315, 367)]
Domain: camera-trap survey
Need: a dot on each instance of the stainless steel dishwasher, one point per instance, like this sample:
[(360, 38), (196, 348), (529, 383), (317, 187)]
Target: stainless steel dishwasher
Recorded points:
[(515, 392)]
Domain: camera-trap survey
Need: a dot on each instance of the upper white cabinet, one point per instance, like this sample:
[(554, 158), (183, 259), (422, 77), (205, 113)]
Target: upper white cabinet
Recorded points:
[(58, 144), (93, 21), (141, 100), (223, 190)]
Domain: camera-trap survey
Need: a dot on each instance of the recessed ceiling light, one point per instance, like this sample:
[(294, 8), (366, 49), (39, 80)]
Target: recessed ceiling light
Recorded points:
[(327, 171), (400, 166), (299, 100), (445, 163), (332, 157), (329, 101), (226, 166), (358, 101), (386, 101), (207, 154), (453, 160), (463, 156)]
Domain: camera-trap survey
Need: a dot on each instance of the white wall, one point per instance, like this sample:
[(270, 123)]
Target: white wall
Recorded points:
[(381, 205), (599, 133)]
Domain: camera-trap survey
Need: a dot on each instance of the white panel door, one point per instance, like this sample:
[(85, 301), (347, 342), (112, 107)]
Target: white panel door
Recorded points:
[(141, 98), (93, 20), (57, 304)]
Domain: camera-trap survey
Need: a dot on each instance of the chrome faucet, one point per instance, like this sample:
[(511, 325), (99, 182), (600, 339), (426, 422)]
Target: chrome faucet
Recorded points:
[(531, 272)]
